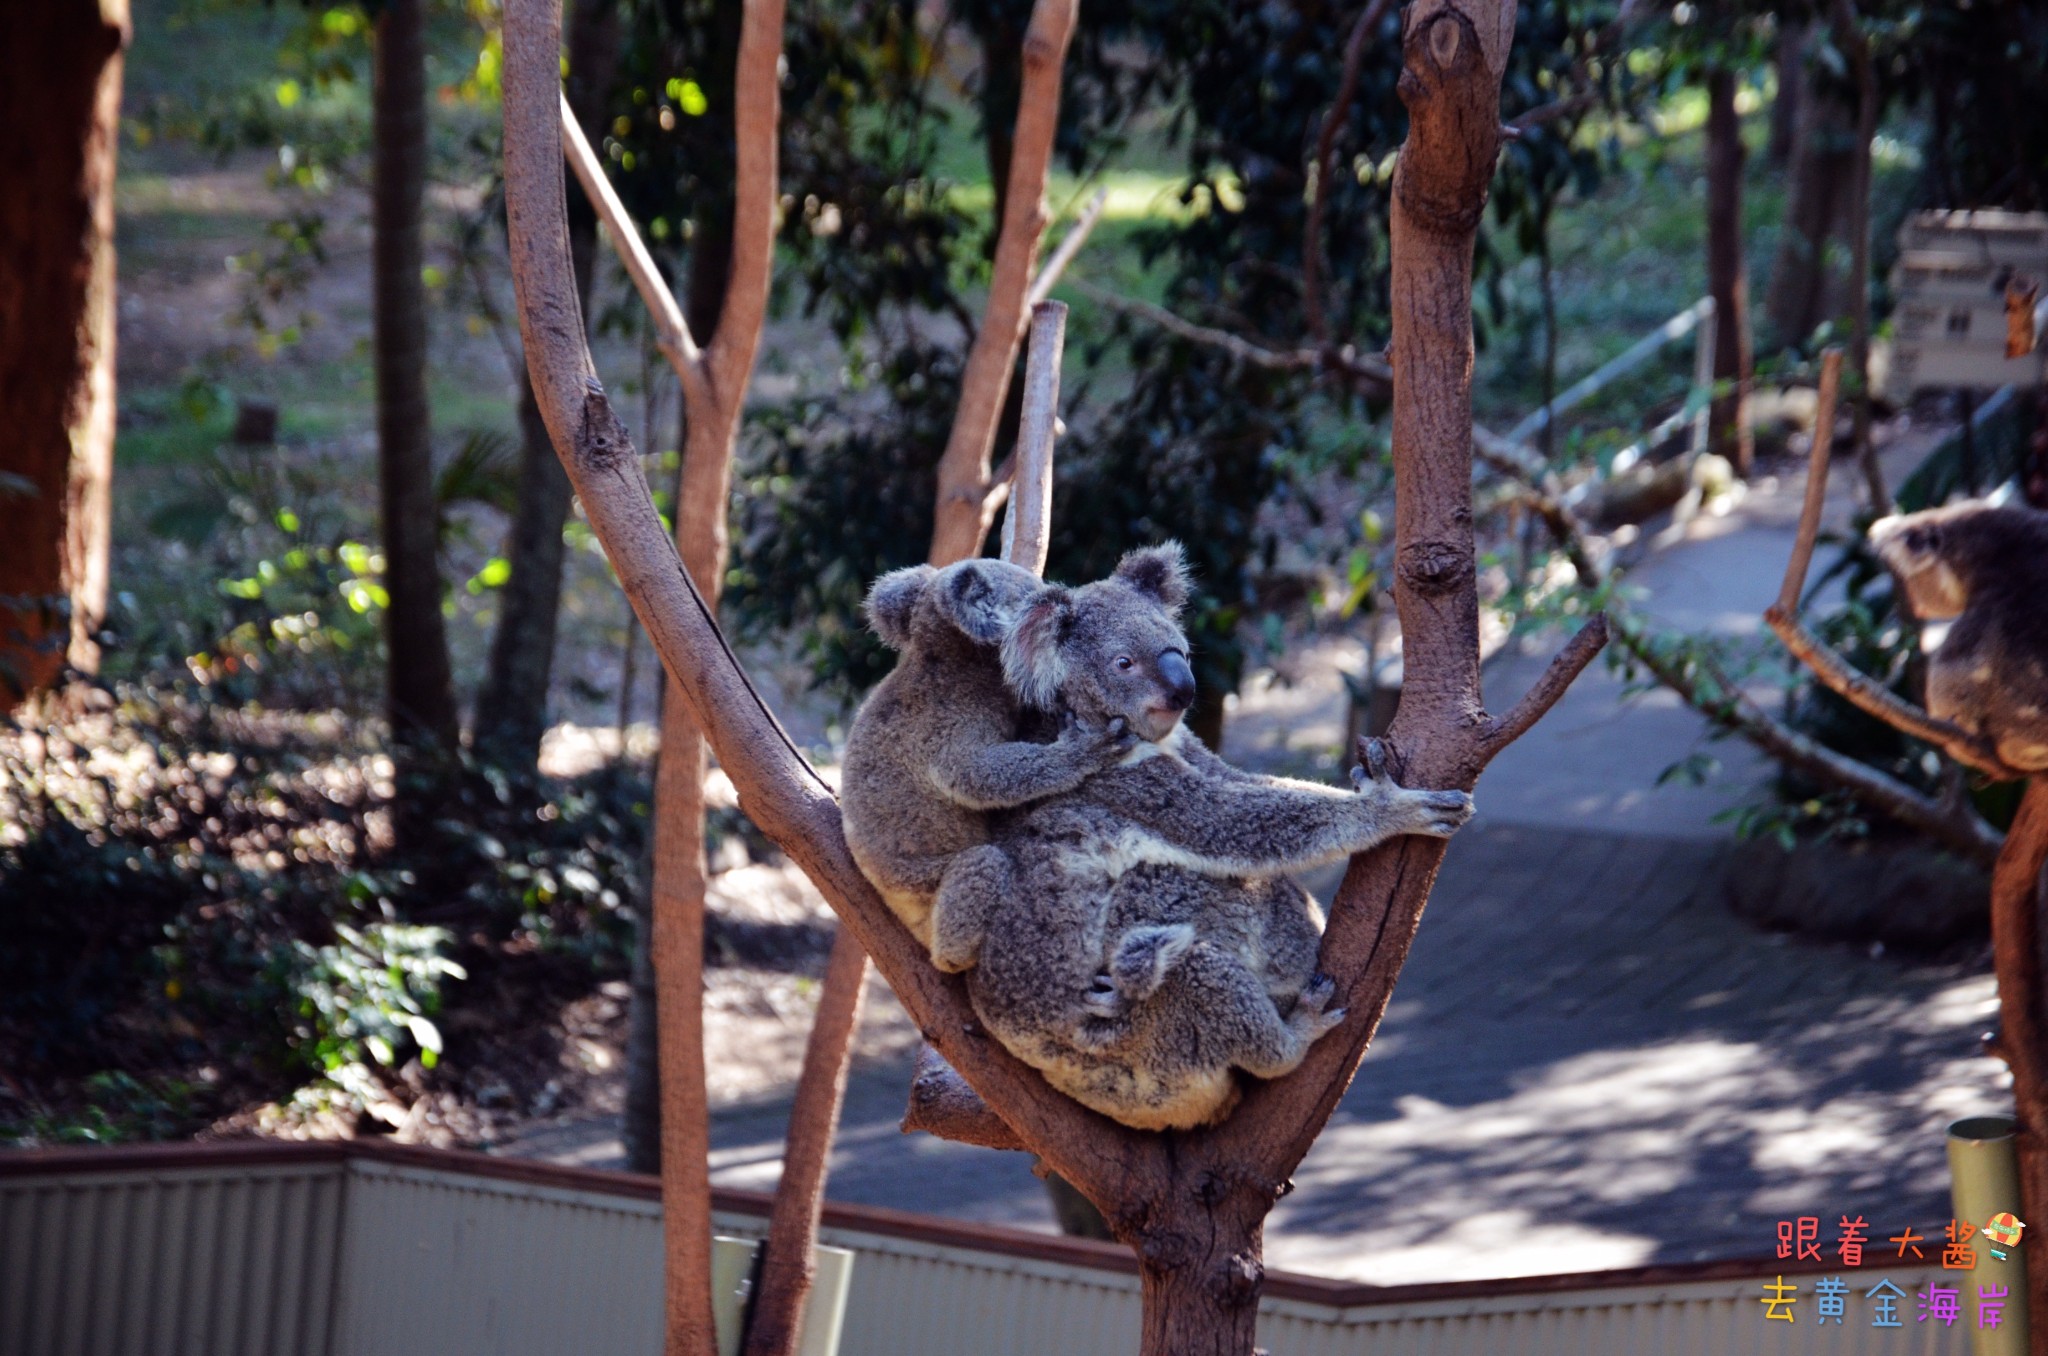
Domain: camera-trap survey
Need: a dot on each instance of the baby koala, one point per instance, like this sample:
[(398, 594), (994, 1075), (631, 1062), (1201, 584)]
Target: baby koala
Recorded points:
[(935, 746), (1985, 570)]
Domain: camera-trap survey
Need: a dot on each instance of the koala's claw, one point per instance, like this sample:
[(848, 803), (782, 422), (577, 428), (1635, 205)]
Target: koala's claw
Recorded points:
[(1317, 993), (1444, 812)]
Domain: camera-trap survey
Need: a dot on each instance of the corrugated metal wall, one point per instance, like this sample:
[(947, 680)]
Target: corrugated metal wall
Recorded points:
[(231, 1261), (372, 1258)]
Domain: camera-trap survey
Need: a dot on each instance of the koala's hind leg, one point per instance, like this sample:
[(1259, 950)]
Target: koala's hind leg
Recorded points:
[(1237, 1019), (975, 885)]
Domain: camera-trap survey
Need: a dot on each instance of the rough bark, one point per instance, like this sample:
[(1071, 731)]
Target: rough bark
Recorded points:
[(965, 508), (60, 95), (1728, 427), (419, 690), (2016, 938), (1820, 172), (512, 706)]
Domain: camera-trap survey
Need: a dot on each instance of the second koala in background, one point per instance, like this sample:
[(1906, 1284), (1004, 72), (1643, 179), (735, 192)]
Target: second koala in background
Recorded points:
[(935, 746), (1984, 570)]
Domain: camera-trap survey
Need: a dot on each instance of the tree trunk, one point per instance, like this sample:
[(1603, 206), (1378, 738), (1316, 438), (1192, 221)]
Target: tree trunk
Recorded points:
[(511, 709), (419, 692), (1728, 426), (1822, 173), (1200, 1285), (2017, 935), (60, 95), (788, 1260)]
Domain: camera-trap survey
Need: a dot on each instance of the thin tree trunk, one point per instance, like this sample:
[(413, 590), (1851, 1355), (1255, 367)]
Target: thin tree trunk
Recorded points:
[(1728, 425), (511, 708), (788, 1263), (964, 509), (1822, 169), (2017, 934), (419, 691), (60, 98)]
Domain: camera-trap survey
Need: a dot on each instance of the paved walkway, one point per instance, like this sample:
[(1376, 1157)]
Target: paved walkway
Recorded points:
[(1589, 1062)]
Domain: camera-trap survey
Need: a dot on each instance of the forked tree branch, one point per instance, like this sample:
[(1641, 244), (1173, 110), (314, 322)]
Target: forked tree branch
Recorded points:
[(964, 508), (1372, 373), (1859, 689)]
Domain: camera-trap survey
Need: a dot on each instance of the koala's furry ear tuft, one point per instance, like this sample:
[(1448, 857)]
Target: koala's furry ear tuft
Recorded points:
[(1159, 572), (982, 597), (1032, 663), (892, 601)]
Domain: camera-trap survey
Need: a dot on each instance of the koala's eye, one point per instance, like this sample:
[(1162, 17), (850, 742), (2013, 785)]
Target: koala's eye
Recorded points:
[(1123, 663), (1916, 540)]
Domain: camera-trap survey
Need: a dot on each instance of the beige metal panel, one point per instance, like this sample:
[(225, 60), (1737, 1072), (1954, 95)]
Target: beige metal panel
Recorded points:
[(170, 1262), (443, 1263)]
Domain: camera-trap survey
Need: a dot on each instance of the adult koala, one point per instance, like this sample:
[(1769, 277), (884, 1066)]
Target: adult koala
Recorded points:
[(1139, 936), (935, 746)]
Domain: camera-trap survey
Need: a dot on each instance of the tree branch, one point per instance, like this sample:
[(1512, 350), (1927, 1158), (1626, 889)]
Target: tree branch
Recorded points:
[(757, 125), (942, 1104), (1373, 373), (1954, 824), (1568, 664), (671, 331), (1859, 689), (1049, 276), (962, 513), (1334, 118)]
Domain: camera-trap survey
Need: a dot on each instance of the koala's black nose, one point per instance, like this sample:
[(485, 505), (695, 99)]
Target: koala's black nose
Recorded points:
[(1179, 679)]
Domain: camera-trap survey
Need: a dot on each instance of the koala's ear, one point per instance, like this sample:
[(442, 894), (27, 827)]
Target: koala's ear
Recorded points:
[(982, 597), (1032, 663), (893, 600), (1159, 572)]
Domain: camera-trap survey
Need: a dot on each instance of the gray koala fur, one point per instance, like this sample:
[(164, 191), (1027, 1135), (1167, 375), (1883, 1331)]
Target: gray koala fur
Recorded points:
[(935, 746), (1137, 936), (1986, 568)]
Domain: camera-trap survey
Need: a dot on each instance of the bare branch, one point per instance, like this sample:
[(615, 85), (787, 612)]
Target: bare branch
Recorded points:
[(942, 1104), (1955, 825), (1801, 558), (1859, 689), (778, 790), (671, 331), (962, 513), (1372, 372), (1027, 528), (1049, 276), (1569, 663), (1326, 166)]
